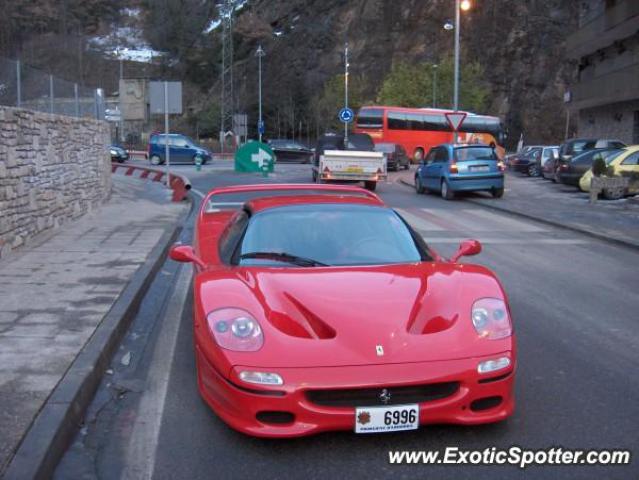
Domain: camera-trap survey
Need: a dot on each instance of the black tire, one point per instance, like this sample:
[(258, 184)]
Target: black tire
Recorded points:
[(314, 176), (370, 185), (155, 160), (418, 154), (447, 193), (120, 160), (497, 192), (419, 188), (533, 171)]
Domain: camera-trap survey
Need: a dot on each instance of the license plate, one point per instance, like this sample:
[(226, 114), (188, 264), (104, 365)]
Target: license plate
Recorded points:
[(354, 169), (480, 168), (386, 419)]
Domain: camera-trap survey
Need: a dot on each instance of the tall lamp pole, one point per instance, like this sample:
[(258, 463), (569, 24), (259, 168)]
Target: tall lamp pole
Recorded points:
[(260, 53), (459, 6), (346, 65), (435, 85), (457, 28), (119, 52)]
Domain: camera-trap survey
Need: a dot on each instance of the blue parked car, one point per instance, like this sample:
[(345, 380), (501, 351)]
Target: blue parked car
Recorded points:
[(451, 168), (181, 149)]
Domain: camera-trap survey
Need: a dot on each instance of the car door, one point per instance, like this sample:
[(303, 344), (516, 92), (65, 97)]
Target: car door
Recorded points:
[(180, 151), (402, 157), (428, 159), (629, 167), (435, 168)]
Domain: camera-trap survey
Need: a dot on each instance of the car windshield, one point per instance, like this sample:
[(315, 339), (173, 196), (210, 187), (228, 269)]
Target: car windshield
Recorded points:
[(329, 234), (385, 147), (469, 154), (610, 155), (285, 144)]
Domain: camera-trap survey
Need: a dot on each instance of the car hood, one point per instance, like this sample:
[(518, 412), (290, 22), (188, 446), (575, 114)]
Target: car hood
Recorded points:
[(356, 316)]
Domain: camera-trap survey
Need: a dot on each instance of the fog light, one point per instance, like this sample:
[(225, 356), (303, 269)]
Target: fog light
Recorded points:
[(493, 365), (262, 378)]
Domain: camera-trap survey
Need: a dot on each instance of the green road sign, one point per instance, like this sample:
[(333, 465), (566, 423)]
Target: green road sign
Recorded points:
[(254, 157)]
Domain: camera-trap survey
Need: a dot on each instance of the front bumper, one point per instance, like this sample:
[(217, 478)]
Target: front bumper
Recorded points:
[(238, 403), (353, 177)]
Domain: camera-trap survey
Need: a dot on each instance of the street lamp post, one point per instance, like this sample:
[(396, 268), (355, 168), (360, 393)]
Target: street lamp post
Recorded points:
[(260, 53), (118, 53), (435, 84), (459, 6), (456, 84), (346, 65)]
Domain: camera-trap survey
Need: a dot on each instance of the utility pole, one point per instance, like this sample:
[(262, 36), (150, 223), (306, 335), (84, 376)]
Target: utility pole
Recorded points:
[(435, 84), (260, 124), (346, 65), (227, 105), (457, 39)]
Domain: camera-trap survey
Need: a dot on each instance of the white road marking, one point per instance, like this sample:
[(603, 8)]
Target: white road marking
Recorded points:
[(507, 223), (419, 223), (197, 192), (145, 433)]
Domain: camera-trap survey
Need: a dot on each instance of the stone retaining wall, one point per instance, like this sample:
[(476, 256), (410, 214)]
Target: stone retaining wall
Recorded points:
[(52, 169)]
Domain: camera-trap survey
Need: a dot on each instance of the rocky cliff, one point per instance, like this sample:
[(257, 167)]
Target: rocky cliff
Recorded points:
[(520, 44)]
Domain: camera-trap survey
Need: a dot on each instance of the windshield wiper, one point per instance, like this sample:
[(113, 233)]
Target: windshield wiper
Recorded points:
[(285, 257)]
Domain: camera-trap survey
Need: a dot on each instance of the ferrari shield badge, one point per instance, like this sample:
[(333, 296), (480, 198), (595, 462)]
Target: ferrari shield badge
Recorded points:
[(380, 350)]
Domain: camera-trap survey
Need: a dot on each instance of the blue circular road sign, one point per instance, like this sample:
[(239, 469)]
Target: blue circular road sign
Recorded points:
[(346, 115)]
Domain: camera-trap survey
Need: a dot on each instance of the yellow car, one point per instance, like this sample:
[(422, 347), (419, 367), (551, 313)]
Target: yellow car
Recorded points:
[(627, 163)]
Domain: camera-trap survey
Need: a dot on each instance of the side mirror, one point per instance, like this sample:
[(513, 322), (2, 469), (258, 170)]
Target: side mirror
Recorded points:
[(185, 254), (466, 249)]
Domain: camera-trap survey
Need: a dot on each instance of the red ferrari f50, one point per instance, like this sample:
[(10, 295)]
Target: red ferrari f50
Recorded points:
[(319, 308)]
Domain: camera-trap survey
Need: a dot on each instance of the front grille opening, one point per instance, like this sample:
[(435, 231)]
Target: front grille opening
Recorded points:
[(495, 379), (485, 403), (274, 417), (361, 397)]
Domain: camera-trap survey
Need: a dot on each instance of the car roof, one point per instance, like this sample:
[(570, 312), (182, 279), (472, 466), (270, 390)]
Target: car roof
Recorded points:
[(464, 145), (260, 204)]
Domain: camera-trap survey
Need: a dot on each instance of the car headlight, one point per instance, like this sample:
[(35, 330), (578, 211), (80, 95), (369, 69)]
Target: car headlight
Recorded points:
[(114, 153), (491, 319), (235, 329)]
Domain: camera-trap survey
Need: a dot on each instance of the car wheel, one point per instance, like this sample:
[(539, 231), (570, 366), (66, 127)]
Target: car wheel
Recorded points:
[(497, 192), (533, 171), (155, 160), (446, 192), (418, 155), (370, 185), (419, 188), (314, 176), (120, 160)]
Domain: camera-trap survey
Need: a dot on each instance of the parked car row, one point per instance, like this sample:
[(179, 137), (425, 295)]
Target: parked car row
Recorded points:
[(571, 163)]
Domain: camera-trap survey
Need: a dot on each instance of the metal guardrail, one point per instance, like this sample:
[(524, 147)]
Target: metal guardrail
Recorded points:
[(23, 86), (179, 184)]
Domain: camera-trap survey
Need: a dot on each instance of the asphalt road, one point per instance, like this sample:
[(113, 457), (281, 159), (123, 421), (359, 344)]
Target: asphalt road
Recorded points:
[(575, 304)]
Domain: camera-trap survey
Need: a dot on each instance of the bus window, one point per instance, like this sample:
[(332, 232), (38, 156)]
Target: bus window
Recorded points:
[(397, 121), (370, 118)]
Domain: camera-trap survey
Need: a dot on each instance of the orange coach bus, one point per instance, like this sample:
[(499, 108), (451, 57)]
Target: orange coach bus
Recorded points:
[(419, 129)]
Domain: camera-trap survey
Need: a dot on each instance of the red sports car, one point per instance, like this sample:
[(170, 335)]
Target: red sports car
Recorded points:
[(319, 308)]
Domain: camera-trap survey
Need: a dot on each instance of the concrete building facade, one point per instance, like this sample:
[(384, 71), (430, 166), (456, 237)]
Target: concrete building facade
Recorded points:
[(605, 99)]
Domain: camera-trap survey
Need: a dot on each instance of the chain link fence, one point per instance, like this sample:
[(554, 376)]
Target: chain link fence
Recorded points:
[(23, 86)]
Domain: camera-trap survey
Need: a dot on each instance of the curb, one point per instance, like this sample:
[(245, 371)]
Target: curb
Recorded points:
[(599, 236), (57, 423)]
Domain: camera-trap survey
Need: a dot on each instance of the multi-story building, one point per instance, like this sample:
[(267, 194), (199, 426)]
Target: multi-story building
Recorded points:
[(606, 49)]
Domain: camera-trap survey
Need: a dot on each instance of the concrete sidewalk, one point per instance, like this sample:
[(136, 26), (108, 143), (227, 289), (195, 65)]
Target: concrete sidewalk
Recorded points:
[(558, 205), (55, 295)]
